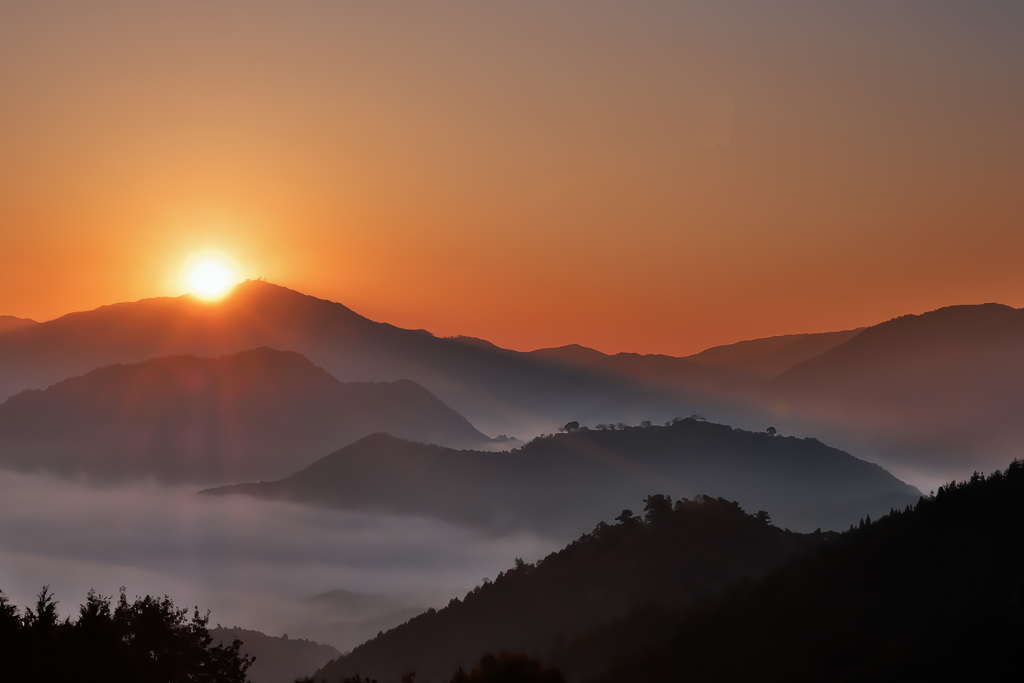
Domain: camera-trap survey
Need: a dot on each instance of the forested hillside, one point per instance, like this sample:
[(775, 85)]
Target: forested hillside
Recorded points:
[(673, 555), (933, 593)]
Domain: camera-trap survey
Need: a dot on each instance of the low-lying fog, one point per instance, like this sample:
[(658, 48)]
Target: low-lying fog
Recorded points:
[(254, 564)]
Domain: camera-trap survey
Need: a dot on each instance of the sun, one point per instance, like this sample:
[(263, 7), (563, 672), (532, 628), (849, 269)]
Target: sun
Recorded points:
[(209, 275)]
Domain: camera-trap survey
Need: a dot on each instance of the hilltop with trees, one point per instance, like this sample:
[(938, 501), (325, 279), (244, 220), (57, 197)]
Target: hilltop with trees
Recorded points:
[(560, 483), (675, 554)]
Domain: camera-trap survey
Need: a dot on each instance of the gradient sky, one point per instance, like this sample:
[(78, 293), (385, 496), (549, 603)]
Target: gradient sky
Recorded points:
[(645, 176)]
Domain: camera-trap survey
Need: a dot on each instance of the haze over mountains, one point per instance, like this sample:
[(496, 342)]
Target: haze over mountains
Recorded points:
[(499, 391), (740, 362), (278, 659), (557, 484), (252, 415), (945, 387), (359, 450), (936, 392)]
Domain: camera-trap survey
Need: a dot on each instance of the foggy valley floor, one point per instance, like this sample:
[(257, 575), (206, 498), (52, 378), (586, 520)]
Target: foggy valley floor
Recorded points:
[(688, 590)]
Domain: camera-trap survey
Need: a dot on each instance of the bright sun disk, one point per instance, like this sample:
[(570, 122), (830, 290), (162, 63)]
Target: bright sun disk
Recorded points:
[(210, 278)]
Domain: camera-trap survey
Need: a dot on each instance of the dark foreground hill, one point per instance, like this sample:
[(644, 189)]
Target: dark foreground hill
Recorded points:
[(256, 414), (672, 556), (927, 593), (924, 595), (559, 483)]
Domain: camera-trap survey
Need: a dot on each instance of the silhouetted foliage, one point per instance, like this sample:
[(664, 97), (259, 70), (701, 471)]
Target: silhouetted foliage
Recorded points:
[(508, 668), (149, 640), (671, 556), (929, 593)]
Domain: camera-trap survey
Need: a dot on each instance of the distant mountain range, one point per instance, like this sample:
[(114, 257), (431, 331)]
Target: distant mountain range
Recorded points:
[(498, 390), (257, 414), (557, 484), (699, 591), (771, 356), (947, 387), (938, 393), (745, 361)]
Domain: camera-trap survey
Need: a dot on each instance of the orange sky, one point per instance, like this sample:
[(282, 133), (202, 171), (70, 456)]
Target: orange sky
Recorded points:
[(626, 175)]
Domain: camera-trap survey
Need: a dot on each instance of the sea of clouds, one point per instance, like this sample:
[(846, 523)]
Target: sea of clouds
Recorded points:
[(252, 563)]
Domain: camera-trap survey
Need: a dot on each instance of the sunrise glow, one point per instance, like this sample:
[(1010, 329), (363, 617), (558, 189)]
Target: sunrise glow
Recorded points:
[(209, 275)]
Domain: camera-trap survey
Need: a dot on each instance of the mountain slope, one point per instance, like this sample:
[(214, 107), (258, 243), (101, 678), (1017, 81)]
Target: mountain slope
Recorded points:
[(256, 414), (771, 356), (928, 594), (650, 369), (679, 555), (9, 322), (278, 659), (702, 592), (557, 484), (499, 390), (949, 382)]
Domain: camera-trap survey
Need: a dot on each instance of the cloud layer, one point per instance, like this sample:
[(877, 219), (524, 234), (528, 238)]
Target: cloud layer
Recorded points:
[(252, 563)]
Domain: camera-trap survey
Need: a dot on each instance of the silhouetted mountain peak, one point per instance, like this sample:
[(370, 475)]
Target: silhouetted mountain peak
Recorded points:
[(475, 341), (952, 328), (270, 298), (573, 354), (256, 413)]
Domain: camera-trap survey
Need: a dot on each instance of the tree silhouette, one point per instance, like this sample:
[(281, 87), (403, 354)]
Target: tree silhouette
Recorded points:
[(149, 640), (657, 509), (625, 517)]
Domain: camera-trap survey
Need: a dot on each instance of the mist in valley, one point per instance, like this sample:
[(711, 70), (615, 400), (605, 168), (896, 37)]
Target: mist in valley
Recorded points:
[(328, 575)]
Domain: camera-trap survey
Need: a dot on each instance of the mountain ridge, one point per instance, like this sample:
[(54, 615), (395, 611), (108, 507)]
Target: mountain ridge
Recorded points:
[(498, 389), (259, 413), (556, 483)]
